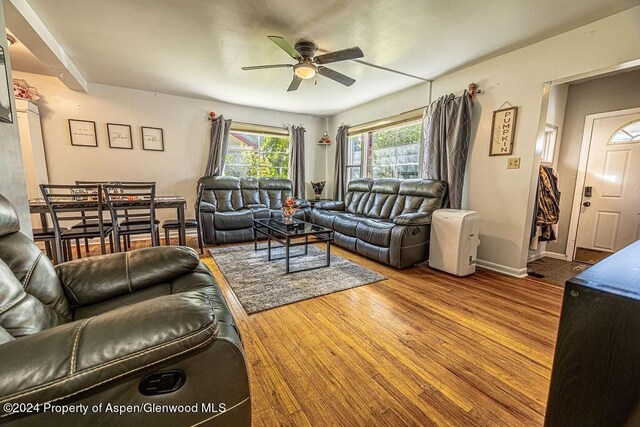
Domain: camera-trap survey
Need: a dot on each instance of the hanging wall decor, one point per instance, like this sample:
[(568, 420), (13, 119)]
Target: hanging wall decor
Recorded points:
[(119, 136), (83, 133), (6, 115), (503, 129), (152, 139)]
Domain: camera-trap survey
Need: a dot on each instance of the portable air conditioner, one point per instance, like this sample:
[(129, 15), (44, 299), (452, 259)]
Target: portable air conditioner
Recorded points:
[(454, 241)]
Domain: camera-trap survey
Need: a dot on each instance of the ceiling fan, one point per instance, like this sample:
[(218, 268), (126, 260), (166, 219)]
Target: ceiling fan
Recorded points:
[(309, 65)]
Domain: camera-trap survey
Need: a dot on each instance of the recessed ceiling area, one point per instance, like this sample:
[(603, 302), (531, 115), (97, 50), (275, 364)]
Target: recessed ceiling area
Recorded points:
[(22, 59), (197, 48)]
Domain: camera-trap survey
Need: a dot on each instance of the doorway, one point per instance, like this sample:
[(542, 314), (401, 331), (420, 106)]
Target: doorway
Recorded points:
[(606, 206)]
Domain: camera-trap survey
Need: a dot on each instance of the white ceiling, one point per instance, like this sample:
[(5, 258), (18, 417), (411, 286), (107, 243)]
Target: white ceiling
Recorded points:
[(195, 48)]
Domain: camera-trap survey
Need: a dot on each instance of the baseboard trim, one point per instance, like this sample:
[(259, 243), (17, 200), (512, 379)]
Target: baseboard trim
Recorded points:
[(499, 268), (534, 257), (554, 255)]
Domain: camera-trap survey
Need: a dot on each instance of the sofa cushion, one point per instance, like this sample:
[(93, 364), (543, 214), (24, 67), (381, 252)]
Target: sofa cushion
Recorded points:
[(323, 218), (357, 195), (375, 231), (419, 195), (233, 220), (222, 192), (250, 190), (346, 223), (380, 203)]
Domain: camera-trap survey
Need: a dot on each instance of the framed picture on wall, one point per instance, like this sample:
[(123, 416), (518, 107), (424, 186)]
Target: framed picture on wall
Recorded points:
[(119, 136), (6, 115), (503, 130), (83, 133), (152, 139)]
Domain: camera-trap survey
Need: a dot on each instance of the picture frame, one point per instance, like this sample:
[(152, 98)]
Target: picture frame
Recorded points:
[(119, 136), (503, 130), (83, 133), (6, 114), (152, 139)]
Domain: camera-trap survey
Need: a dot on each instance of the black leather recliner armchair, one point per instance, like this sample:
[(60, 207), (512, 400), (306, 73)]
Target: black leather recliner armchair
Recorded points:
[(115, 334), (388, 220), (229, 205)]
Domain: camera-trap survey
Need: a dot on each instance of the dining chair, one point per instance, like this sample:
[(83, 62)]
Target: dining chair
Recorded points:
[(48, 237), (68, 203), (174, 224), (136, 204)]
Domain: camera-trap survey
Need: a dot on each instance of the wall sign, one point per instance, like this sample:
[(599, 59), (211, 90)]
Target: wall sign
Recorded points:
[(152, 139), (119, 136), (83, 133), (503, 129), (5, 100)]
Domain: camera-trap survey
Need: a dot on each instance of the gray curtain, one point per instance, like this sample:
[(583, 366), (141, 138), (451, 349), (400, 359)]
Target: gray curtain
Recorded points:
[(340, 172), (218, 148), (296, 160), (446, 130)]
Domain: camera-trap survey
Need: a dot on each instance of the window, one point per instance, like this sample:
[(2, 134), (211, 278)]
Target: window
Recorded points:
[(354, 157), (256, 155), (628, 134), (395, 152)]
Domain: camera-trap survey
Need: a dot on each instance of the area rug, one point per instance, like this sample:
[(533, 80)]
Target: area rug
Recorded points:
[(261, 285), (554, 271)]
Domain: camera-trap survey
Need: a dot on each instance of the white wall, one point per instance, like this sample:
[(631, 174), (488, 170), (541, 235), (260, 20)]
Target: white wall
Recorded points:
[(186, 135), (12, 179), (504, 197)]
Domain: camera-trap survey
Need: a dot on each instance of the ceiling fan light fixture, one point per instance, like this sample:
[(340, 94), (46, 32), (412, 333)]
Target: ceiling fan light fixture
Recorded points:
[(304, 70)]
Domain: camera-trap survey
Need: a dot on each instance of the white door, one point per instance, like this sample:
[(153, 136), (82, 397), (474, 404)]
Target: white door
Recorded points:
[(610, 216)]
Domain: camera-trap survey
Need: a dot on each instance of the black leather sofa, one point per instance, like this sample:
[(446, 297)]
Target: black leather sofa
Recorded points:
[(388, 220), (119, 331), (229, 205)]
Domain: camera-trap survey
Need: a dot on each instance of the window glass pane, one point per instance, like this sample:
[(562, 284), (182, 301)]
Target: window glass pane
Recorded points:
[(355, 150), (396, 152), (258, 156), (353, 173), (629, 134)]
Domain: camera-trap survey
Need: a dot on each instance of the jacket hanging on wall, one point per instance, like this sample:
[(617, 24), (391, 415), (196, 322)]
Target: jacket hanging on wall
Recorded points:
[(547, 213)]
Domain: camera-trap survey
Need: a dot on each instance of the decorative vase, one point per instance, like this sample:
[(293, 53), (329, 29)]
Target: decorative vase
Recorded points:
[(317, 196)]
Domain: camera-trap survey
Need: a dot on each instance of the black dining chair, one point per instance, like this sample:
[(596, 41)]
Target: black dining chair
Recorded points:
[(48, 237), (133, 212), (68, 203), (189, 223)]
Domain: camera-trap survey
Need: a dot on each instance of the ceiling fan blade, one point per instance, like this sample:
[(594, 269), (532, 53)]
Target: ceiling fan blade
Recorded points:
[(339, 55), (334, 75), (295, 83), (282, 44), (262, 67)]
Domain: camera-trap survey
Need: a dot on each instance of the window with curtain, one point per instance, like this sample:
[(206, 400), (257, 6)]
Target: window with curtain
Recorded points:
[(388, 152), (257, 155), (395, 152), (354, 157)]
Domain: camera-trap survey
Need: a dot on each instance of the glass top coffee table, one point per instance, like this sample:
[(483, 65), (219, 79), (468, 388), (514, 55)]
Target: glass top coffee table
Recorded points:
[(292, 235)]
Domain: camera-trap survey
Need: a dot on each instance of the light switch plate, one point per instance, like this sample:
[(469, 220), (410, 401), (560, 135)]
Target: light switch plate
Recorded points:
[(513, 163)]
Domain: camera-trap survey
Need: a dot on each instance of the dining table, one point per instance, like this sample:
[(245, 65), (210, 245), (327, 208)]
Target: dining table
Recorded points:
[(89, 204)]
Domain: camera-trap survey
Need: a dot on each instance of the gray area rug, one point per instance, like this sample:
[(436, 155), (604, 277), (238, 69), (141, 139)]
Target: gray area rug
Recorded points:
[(261, 285), (555, 271)]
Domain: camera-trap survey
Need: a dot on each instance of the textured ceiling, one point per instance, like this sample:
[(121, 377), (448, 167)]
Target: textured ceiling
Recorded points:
[(196, 48)]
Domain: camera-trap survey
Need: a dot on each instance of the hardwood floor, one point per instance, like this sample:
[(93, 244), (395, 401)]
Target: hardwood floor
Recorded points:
[(421, 348)]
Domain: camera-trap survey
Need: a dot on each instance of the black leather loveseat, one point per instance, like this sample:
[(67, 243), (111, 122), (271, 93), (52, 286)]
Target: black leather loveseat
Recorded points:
[(229, 205), (111, 336), (387, 220)]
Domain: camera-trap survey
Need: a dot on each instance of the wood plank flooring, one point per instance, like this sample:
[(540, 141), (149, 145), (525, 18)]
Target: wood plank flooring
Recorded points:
[(422, 348)]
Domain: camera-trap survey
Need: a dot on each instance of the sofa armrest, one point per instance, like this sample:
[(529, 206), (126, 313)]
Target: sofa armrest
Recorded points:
[(333, 205), (207, 207), (255, 206), (413, 219), (303, 203), (90, 280), (85, 354)]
